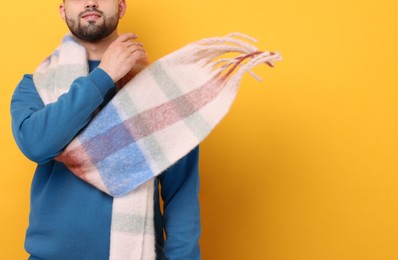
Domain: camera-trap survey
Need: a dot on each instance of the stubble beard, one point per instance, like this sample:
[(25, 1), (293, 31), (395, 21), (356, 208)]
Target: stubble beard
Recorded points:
[(93, 32)]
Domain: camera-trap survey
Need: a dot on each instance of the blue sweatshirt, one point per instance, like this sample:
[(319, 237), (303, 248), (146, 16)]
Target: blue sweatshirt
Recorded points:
[(70, 219)]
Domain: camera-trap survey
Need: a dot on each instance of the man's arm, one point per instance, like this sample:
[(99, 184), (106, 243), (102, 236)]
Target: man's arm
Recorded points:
[(42, 132), (181, 218)]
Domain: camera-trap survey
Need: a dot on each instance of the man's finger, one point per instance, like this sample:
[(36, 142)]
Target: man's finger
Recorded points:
[(130, 43), (136, 48), (126, 36), (138, 54)]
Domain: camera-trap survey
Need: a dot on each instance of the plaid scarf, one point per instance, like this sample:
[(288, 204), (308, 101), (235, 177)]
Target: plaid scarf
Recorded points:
[(160, 114)]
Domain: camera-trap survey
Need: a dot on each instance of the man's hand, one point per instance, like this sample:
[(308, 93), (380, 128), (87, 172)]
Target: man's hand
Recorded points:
[(121, 56)]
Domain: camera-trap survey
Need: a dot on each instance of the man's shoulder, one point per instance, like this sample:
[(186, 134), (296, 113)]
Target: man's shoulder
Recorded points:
[(26, 79), (26, 84)]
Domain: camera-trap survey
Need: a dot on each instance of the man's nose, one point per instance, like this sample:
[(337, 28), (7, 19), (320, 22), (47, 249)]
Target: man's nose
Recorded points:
[(91, 3)]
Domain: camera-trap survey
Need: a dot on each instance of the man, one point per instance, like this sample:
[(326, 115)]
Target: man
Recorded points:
[(70, 219)]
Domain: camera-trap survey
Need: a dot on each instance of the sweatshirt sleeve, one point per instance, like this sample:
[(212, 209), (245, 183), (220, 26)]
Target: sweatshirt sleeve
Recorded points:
[(42, 131)]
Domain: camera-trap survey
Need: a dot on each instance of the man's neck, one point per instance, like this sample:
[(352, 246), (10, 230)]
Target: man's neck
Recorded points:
[(95, 50)]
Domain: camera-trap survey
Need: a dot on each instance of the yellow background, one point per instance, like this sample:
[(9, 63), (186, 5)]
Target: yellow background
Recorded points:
[(305, 164)]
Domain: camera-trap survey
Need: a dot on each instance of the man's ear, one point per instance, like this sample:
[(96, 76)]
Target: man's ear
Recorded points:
[(122, 8), (62, 11)]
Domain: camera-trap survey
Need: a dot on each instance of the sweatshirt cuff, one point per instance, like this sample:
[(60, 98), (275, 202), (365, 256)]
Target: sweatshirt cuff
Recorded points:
[(102, 80)]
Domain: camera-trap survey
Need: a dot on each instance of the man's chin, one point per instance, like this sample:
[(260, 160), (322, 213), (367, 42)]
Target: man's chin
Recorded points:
[(91, 23)]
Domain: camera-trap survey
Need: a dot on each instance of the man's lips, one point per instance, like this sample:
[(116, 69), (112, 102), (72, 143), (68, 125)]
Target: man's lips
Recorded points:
[(91, 15)]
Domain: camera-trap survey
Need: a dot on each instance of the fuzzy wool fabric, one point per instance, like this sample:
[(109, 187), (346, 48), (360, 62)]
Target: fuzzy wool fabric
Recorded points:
[(156, 118)]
